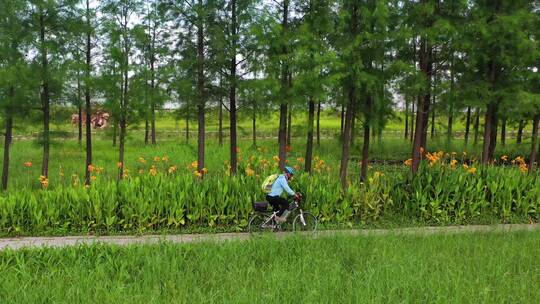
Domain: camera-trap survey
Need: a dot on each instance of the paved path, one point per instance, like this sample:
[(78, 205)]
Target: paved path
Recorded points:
[(17, 243)]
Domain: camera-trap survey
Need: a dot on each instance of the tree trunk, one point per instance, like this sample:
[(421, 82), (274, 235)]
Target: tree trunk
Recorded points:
[(520, 131), (353, 31), (282, 136), (413, 117), (8, 136), (417, 141), (254, 124), (534, 143), (289, 126), (124, 101), (433, 120), (346, 139), (433, 84), (490, 128), (220, 123), (406, 117), (79, 107), (476, 126), (153, 123), (187, 123), (493, 141), (153, 89), (88, 106), (309, 145), (365, 148), (342, 121), (200, 90), (422, 115), (449, 133), (503, 132), (123, 123), (467, 126), (115, 131), (491, 121), (45, 97), (319, 124), (353, 128), (146, 130), (121, 148), (232, 93)]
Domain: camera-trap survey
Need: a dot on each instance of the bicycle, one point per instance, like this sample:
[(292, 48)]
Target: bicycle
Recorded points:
[(265, 220)]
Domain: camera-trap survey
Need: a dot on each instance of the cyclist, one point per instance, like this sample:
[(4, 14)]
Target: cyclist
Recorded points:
[(274, 197)]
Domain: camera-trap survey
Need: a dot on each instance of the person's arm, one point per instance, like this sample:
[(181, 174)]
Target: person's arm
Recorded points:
[(285, 186)]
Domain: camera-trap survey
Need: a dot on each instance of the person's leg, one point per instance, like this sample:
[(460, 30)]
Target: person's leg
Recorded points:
[(283, 205), (273, 202)]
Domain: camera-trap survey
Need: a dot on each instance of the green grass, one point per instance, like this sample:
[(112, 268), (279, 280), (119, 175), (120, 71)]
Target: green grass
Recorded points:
[(68, 157), (467, 268), (267, 123)]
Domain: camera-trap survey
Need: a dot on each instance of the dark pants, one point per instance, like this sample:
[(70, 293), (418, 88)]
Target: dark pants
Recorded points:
[(278, 204)]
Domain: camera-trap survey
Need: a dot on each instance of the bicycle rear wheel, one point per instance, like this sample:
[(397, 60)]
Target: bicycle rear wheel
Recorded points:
[(305, 221), (258, 223)]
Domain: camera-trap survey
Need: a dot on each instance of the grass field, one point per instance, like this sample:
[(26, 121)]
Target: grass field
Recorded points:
[(467, 268), (266, 123), (68, 157)]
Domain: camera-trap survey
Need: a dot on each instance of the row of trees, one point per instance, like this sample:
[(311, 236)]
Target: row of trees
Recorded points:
[(467, 57)]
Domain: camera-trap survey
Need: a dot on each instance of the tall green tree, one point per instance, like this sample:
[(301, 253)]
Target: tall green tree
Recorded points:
[(89, 31), (154, 39), (285, 83), (197, 17), (49, 20), (239, 44), (82, 31), (422, 16), (347, 46), (375, 75), (498, 45), (233, 42), (118, 15), (15, 74), (313, 59)]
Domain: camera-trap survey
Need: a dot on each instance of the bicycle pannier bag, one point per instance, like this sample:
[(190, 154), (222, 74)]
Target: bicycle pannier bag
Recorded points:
[(260, 206)]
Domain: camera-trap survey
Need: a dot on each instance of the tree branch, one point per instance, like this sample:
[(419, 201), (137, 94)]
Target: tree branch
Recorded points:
[(226, 108), (245, 58), (244, 74), (181, 11), (278, 3)]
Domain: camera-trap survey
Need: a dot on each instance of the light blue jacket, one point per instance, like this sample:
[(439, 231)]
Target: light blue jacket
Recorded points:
[(279, 185)]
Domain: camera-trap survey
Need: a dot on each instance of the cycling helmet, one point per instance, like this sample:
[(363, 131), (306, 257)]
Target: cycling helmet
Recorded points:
[(289, 170)]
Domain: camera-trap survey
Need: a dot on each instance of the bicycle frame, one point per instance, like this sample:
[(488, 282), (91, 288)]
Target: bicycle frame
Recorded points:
[(269, 219), (272, 216)]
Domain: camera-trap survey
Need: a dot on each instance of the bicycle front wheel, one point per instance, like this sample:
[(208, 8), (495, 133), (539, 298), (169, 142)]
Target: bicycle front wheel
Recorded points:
[(305, 221)]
